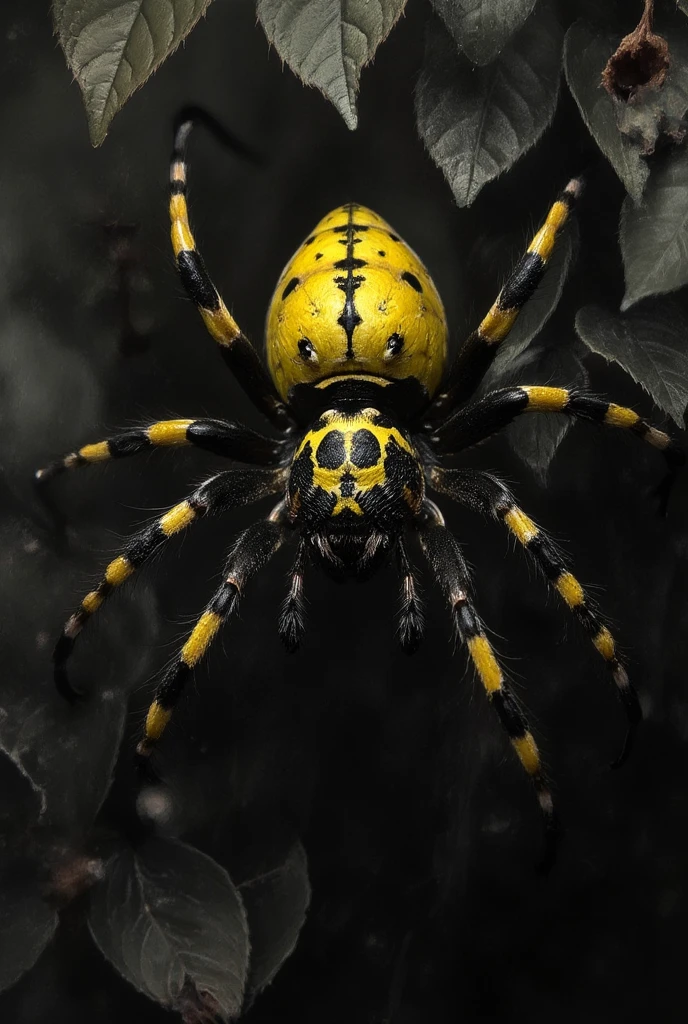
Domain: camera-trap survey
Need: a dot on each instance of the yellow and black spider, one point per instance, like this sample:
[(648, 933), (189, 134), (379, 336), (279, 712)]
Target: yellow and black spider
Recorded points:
[(359, 390)]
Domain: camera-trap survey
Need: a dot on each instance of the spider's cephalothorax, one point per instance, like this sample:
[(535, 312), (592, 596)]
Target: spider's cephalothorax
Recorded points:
[(367, 411)]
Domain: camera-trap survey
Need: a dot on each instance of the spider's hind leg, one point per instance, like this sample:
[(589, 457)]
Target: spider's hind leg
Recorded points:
[(450, 569), (226, 490)]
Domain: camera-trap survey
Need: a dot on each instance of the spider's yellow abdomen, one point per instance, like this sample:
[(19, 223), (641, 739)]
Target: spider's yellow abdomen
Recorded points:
[(355, 299)]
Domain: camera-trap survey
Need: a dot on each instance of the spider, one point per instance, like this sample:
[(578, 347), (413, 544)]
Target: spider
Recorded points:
[(358, 388)]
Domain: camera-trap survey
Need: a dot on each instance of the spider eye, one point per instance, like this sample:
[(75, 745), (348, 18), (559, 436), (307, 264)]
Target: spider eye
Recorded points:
[(307, 351), (394, 345)]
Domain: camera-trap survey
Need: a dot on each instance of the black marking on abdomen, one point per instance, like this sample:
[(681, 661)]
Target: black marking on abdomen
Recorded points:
[(412, 280), (289, 287), (349, 318), (331, 452), (365, 449)]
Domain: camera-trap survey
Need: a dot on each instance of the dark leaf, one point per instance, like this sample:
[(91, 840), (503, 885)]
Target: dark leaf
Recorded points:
[(171, 922), (113, 46), (654, 236), (649, 343), (276, 905), (21, 801), (476, 122), (535, 437), (27, 922), (482, 28), (327, 42), (53, 743), (536, 312), (585, 55)]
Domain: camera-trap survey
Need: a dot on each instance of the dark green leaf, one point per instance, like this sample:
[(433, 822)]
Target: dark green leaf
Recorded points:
[(654, 236), (327, 42), (112, 46), (585, 54), (27, 922), (535, 437), (172, 923), (536, 312), (276, 905), (482, 28), (476, 122), (650, 343)]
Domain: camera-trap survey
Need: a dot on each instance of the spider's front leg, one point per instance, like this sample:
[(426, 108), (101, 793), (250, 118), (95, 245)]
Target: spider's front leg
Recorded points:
[(497, 409), (489, 496), (226, 490), (449, 568), (222, 437), (236, 349), (478, 350)]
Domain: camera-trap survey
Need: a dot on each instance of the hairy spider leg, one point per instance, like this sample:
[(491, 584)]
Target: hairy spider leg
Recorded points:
[(497, 409), (292, 620), (479, 349), (230, 489), (450, 569), (252, 549), (236, 349), (411, 619), (232, 440), (489, 496)]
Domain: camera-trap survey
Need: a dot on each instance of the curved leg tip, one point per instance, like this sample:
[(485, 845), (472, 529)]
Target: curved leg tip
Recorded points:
[(145, 772)]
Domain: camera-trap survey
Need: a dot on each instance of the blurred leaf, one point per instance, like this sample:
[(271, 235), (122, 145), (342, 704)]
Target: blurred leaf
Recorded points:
[(649, 343), (537, 310), (21, 800), (68, 752), (654, 236), (476, 122), (169, 919), (276, 905), (586, 52), (535, 437), (327, 42), (683, 6), (113, 46), (27, 922), (482, 28)]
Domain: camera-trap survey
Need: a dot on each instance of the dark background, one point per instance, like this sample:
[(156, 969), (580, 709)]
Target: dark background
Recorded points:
[(421, 831)]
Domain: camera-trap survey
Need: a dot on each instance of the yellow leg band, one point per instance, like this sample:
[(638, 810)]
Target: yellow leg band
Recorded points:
[(118, 571), (604, 642), (156, 720), (542, 399), (177, 518), (169, 432), (485, 663), (95, 452), (527, 751), (570, 589), (521, 525), (201, 638)]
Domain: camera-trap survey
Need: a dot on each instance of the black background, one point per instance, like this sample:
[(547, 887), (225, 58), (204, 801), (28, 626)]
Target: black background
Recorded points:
[(421, 831)]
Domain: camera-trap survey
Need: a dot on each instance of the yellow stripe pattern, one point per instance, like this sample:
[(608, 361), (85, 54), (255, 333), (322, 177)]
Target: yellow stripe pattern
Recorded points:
[(201, 637)]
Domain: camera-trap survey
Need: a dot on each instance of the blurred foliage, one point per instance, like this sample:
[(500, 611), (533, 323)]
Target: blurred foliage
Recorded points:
[(172, 920)]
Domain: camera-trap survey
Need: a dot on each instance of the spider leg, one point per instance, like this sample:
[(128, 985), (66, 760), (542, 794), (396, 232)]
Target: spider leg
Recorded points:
[(469, 426), (292, 616), (226, 490), (479, 349), (489, 496), (411, 613), (449, 567), (251, 551), (232, 440), (236, 349)]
